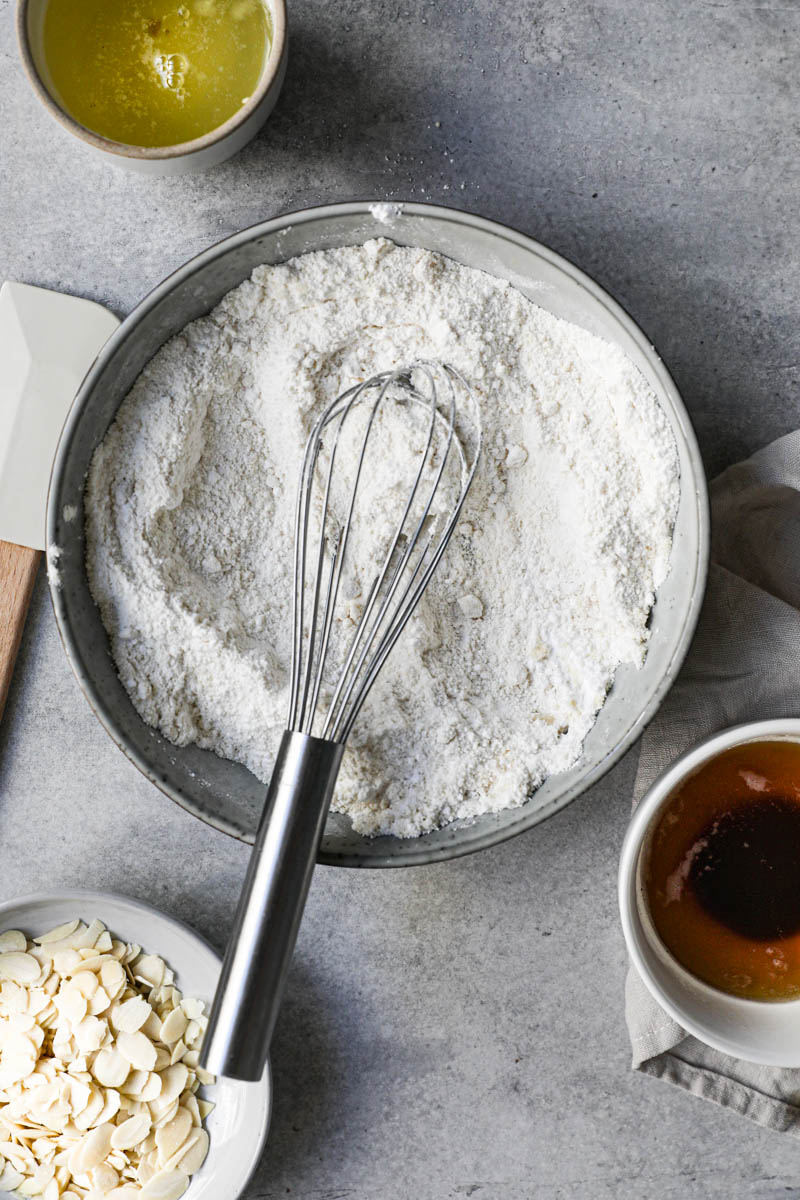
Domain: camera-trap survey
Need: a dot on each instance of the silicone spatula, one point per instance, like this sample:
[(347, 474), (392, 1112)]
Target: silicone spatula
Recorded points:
[(48, 341)]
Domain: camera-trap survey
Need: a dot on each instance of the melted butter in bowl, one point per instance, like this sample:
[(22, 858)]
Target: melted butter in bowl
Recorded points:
[(155, 72)]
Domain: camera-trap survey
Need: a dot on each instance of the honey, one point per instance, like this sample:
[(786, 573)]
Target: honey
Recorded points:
[(721, 872), (154, 72)]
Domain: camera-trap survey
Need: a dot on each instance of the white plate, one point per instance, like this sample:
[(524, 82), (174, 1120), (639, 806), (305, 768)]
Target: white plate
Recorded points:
[(237, 1127)]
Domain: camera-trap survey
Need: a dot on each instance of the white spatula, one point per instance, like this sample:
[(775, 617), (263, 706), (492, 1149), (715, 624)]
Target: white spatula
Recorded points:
[(48, 341)]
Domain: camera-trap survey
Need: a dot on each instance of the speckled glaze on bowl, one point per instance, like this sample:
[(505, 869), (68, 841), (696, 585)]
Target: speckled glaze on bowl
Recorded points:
[(224, 793), (238, 1125)]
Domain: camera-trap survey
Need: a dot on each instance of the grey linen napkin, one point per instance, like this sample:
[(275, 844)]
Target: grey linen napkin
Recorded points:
[(744, 664)]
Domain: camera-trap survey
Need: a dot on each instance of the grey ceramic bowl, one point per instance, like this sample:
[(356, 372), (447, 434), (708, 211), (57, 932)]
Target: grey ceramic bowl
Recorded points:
[(224, 793)]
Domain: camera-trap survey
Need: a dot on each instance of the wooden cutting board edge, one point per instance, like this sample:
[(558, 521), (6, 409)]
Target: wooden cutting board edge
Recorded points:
[(18, 567)]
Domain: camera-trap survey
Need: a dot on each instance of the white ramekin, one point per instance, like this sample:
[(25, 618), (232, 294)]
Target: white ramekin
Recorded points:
[(196, 155), (758, 1031)]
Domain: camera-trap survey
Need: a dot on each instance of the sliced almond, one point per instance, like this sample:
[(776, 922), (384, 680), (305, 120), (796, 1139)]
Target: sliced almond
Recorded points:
[(72, 941), (13, 997), (99, 1002), (192, 1008), (152, 1088), (112, 976), (148, 1145), (174, 1026), (71, 1004), (10, 1178), (173, 1081), (87, 1118), (138, 1050), (58, 934), (80, 1095), (104, 1178), (130, 1016), (89, 940), (193, 1031), (171, 1136), (89, 1034), (15, 1068), (163, 1058), (12, 939), (94, 962), (163, 1113), (38, 1000), (111, 1106), (152, 1026), (91, 1150), (195, 1152), (131, 1132), (166, 1185), (52, 1191), (110, 1068), (66, 962), (19, 967), (178, 1051), (135, 1082), (150, 968)]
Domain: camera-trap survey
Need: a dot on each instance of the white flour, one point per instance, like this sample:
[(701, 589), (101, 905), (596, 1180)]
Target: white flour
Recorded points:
[(386, 212), (544, 591)]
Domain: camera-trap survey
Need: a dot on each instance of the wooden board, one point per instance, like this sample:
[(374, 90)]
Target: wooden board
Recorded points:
[(18, 567)]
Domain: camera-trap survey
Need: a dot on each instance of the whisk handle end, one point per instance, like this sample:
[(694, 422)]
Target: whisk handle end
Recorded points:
[(267, 920)]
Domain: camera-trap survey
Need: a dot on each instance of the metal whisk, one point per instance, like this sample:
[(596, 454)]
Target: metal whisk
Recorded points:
[(330, 683)]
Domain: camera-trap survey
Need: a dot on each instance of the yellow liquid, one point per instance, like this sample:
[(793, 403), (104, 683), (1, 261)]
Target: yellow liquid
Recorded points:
[(155, 72)]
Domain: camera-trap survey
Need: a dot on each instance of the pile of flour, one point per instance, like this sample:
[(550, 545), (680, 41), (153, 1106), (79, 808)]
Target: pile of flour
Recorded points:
[(544, 591)]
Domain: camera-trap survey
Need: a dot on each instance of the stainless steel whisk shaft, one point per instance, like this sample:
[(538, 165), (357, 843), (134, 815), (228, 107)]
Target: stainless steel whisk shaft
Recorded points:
[(322, 706)]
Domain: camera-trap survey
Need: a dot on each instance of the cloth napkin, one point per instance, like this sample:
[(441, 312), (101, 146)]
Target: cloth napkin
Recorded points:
[(744, 664)]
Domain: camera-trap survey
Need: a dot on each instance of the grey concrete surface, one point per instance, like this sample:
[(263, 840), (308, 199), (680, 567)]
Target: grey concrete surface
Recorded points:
[(457, 1030)]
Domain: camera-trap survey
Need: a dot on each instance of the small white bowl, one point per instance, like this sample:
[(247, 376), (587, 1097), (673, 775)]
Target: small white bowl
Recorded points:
[(197, 155), (758, 1031), (237, 1126)]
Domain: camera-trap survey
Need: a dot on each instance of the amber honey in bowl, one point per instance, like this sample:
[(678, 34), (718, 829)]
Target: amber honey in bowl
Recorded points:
[(721, 871)]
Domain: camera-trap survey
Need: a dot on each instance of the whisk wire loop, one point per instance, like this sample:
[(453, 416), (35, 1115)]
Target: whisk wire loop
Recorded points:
[(350, 673), (342, 540), (400, 581), (313, 447)]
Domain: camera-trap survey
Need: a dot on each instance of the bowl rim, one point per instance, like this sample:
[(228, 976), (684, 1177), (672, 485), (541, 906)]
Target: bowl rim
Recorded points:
[(633, 927), (269, 73), (96, 898), (490, 837)]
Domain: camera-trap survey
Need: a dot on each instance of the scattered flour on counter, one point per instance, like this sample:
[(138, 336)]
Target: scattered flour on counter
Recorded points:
[(545, 589)]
